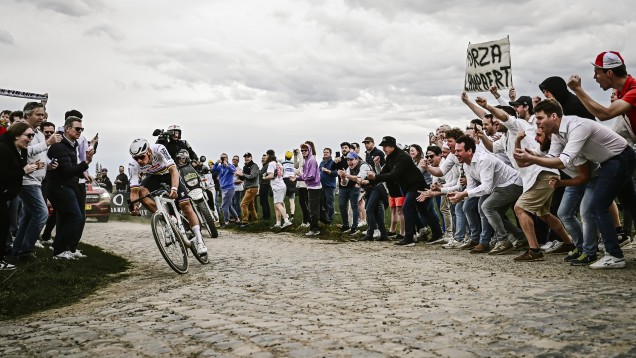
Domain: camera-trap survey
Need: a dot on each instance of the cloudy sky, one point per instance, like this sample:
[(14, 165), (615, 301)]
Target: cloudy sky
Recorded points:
[(252, 75)]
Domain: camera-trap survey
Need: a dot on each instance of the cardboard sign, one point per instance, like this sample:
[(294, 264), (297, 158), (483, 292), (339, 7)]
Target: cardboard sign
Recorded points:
[(487, 65)]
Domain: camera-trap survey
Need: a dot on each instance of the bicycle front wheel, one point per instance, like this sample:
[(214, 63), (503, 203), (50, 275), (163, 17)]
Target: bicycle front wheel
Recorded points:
[(171, 247)]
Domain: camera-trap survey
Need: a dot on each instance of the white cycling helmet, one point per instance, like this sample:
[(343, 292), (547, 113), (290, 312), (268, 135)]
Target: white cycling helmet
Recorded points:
[(139, 146), (174, 127)]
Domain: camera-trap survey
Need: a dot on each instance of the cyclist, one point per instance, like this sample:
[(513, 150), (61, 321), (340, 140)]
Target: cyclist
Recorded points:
[(175, 143), (154, 161)]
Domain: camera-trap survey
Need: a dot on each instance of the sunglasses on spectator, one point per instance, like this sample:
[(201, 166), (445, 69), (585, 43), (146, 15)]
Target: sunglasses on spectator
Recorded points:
[(30, 135), (49, 132), (430, 156), (304, 150), (78, 129)]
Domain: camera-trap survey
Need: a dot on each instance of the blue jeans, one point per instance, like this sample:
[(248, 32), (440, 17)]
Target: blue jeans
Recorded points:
[(348, 195), (375, 211), (236, 202), (590, 241), (32, 219), (70, 220), (226, 204), (614, 179), (327, 210), (460, 222), (472, 218), (570, 204)]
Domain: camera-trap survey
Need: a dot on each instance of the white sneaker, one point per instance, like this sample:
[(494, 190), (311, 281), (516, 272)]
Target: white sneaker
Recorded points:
[(555, 246), (38, 244), (201, 249), (453, 244), (77, 254), (66, 255), (286, 224), (312, 233), (304, 225), (608, 262), (277, 226), (376, 234), (362, 223), (548, 245), (5, 266)]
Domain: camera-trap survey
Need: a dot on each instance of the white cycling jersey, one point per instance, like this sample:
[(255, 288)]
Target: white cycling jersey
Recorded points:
[(160, 164)]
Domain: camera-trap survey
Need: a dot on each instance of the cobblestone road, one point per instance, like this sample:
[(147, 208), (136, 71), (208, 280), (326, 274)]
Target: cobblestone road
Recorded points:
[(272, 295)]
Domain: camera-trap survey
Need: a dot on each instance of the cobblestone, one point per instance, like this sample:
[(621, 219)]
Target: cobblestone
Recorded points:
[(271, 295)]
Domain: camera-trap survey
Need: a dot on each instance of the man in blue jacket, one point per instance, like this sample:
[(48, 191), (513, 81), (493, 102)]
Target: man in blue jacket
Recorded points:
[(328, 175)]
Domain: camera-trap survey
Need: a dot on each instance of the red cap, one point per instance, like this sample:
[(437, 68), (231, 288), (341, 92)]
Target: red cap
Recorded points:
[(608, 59)]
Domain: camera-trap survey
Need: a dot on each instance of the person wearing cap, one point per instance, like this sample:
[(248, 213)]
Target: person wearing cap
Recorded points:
[(290, 193), (572, 136), (610, 72), (350, 190), (400, 169), (310, 175), (249, 176), (328, 175), (371, 152)]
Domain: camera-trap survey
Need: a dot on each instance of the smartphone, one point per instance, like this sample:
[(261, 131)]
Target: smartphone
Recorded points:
[(337, 154)]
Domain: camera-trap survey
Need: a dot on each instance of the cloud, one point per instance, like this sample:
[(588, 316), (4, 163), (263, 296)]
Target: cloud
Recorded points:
[(105, 30), (6, 38), (74, 8)]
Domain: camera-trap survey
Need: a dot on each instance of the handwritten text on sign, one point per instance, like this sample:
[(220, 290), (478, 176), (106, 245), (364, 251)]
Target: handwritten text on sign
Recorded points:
[(487, 65)]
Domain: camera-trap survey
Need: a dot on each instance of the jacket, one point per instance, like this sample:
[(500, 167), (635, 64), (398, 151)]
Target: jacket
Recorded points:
[(571, 104), (401, 170), (328, 180), (311, 174), (250, 175), (11, 167), (37, 151), (68, 170), (226, 175)]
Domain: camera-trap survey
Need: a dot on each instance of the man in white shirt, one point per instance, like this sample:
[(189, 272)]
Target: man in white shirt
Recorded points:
[(572, 136), (497, 185)]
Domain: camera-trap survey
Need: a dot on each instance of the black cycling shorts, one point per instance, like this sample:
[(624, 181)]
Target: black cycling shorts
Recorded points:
[(153, 182)]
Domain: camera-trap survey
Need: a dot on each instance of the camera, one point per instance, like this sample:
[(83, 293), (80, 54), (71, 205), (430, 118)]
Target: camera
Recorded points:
[(163, 136)]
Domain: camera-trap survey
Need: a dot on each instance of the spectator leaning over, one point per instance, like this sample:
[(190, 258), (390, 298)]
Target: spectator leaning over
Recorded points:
[(328, 177), (34, 210), (249, 175), (275, 176), (122, 184), (399, 168), (64, 192), (226, 179), (537, 193), (497, 185), (288, 172), (264, 188), (434, 158), (572, 136), (341, 164), (13, 166), (311, 176), (238, 188)]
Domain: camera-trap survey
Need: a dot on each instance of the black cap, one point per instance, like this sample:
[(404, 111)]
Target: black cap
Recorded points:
[(388, 141), (248, 154), (523, 100), (368, 139), (270, 152)]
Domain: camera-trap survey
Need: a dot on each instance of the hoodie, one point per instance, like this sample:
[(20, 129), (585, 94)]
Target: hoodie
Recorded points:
[(571, 104), (226, 175), (311, 173), (11, 168)]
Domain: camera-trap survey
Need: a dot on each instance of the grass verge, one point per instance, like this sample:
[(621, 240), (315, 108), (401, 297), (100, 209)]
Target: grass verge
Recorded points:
[(44, 283)]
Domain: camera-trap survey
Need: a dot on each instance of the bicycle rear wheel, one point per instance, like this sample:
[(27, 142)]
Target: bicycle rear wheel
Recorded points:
[(171, 247)]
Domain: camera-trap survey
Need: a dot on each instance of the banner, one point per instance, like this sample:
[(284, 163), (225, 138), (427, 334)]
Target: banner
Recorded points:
[(487, 65), (20, 94), (119, 205)]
